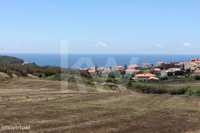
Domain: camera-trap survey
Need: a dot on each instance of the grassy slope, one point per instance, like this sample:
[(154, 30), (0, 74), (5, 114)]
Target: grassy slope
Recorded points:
[(10, 60), (45, 106)]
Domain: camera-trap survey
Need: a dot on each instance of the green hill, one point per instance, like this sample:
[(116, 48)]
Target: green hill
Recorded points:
[(10, 60)]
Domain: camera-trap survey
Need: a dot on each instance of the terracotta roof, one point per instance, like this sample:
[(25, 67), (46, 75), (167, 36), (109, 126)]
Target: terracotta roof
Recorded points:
[(132, 66), (100, 68), (153, 78), (145, 75), (92, 70), (195, 60), (119, 68), (106, 70), (132, 71), (157, 69)]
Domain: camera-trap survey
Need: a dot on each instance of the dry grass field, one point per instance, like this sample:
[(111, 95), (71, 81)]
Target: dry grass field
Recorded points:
[(47, 107)]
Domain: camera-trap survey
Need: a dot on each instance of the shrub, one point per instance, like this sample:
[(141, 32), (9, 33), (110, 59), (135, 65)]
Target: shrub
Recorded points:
[(111, 86), (193, 92), (178, 90), (111, 78), (197, 77), (157, 88)]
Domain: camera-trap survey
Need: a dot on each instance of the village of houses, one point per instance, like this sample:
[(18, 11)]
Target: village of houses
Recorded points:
[(147, 72)]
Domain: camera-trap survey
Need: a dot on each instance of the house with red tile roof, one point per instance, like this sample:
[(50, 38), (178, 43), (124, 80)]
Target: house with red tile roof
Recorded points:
[(133, 66), (145, 76), (132, 71)]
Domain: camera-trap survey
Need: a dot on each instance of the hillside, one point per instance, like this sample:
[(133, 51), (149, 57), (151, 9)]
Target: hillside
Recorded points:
[(13, 67), (10, 60)]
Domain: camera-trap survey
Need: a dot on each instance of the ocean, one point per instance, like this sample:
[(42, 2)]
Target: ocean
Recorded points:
[(88, 60)]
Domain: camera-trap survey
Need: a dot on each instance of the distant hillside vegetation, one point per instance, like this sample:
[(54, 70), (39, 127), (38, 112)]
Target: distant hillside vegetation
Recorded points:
[(10, 60), (15, 66)]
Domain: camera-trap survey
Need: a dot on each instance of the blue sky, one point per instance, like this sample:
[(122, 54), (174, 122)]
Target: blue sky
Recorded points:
[(100, 26)]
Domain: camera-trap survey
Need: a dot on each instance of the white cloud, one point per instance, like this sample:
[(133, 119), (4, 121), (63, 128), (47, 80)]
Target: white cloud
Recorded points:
[(187, 44), (2, 49), (159, 45), (102, 44)]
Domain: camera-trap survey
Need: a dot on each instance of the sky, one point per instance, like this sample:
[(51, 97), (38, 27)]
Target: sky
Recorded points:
[(100, 26)]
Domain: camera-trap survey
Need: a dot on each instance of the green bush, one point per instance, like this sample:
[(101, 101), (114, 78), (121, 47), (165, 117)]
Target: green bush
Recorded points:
[(110, 86), (193, 92), (157, 88), (178, 90), (197, 77)]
